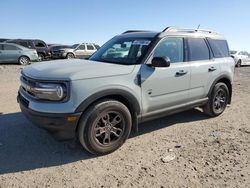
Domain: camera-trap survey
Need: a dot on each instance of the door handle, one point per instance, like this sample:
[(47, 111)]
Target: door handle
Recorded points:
[(211, 69), (181, 73)]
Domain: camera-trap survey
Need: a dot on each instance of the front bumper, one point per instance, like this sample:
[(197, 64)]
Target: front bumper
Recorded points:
[(62, 126)]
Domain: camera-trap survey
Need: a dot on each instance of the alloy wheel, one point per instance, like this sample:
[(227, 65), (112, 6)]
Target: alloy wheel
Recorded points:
[(220, 100), (109, 128)]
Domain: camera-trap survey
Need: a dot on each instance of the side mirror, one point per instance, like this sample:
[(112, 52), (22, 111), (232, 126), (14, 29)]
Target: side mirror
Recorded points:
[(160, 62)]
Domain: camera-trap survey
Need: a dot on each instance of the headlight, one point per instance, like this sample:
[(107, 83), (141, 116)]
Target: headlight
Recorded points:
[(50, 91)]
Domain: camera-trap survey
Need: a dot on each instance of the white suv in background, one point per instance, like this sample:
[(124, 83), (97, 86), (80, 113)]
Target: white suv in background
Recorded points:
[(81, 51), (240, 58)]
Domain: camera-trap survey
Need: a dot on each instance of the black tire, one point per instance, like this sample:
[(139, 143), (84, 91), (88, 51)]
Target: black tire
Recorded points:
[(70, 56), (238, 63), (217, 101), (40, 57), (100, 133), (24, 60)]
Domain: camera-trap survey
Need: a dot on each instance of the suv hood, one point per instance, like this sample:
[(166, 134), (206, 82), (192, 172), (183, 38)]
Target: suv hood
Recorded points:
[(68, 49), (75, 69)]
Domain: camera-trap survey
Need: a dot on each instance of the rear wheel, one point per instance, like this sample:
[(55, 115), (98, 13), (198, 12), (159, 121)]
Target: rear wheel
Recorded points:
[(104, 127), (218, 100), (23, 60)]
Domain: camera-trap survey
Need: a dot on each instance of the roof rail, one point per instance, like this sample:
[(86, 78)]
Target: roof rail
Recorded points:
[(190, 30), (134, 31)]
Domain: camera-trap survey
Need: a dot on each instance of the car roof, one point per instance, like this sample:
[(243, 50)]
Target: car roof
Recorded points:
[(140, 34), (26, 40), (14, 44), (172, 31)]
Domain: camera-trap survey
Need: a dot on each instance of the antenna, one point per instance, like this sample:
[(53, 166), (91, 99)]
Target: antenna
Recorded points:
[(198, 27)]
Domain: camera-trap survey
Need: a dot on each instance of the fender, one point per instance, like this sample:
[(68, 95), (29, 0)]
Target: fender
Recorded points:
[(229, 88), (130, 99)]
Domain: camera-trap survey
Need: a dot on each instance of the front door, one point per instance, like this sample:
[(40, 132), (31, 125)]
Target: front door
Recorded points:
[(80, 52), (169, 86)]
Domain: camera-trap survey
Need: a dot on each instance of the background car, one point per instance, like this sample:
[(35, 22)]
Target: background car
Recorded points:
[(3, 40), (39, 45), (240, 58), (82, 51), (14, 53), (56, 49)]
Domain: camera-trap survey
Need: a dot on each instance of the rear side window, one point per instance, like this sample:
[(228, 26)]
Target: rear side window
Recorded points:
[(10, 47), (219, 48), (197, 49), (90, 47)]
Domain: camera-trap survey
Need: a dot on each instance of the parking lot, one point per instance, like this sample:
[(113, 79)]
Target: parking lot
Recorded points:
[(185, 150)]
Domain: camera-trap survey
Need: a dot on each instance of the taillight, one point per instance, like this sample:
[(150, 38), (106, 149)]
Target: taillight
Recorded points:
[(34, 52)]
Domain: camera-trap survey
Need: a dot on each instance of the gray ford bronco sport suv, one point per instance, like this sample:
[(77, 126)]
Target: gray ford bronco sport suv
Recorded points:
[(135, 77)]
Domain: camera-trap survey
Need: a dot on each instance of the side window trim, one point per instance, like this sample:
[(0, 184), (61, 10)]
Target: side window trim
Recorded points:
[(211, 55)]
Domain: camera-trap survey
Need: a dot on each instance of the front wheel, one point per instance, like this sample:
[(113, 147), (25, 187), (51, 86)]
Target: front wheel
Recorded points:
[(238, 63), (104, 127), (218, 100), (70, 56)]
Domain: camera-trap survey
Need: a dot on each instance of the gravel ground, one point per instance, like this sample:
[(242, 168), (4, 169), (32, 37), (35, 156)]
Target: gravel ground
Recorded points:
[(183, 150)]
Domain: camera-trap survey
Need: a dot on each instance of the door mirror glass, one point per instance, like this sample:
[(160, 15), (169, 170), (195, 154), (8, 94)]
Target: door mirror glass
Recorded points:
[(160, 62)]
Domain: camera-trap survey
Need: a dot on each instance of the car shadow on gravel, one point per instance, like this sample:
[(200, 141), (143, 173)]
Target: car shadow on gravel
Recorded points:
[(26, 147)]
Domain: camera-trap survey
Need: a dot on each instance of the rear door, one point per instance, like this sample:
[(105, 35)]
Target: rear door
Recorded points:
[(90, 50), (203, 67)]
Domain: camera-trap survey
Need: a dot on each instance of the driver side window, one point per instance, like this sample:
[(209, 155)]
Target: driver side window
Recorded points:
[(172, 48), (81, 47)]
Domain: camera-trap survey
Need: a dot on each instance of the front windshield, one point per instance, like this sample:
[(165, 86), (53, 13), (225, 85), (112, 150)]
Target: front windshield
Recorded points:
[(125, 51), (74, 46)]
